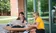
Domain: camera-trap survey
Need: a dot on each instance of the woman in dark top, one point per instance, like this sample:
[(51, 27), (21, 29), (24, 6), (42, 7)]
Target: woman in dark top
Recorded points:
[(22, 18)]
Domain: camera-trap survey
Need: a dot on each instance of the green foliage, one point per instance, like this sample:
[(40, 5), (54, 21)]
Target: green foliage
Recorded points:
[(4, 5), (44, 5), (30, 5), (53, 2)]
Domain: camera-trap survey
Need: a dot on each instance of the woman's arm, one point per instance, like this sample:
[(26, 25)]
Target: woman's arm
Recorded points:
[(34, 25)]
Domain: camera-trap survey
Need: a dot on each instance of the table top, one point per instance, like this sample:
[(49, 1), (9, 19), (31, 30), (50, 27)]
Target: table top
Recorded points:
[(15, 29)]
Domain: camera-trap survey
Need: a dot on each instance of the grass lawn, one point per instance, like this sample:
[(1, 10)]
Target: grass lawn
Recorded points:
[(5, 21), (1, 17)]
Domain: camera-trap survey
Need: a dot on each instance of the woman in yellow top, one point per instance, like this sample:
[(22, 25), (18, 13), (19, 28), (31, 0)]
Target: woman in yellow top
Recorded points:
[(39, 24)]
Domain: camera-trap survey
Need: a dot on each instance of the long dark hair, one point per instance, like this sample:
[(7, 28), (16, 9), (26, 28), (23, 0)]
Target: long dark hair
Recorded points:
[(18, 18), (23, 17)]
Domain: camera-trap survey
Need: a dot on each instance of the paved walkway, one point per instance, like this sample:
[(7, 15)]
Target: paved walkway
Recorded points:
[(2, 30)]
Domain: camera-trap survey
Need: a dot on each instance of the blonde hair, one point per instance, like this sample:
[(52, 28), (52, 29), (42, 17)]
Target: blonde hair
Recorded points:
[(36, 13)]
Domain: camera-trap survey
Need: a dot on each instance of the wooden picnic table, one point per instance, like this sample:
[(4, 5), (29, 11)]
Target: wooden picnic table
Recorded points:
[(11, 30), (16, 29)]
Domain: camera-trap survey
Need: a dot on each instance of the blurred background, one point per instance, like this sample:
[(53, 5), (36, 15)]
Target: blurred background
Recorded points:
[(9, 11)]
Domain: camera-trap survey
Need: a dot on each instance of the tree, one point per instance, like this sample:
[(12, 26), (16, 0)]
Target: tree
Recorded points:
[(30, 5), (4, 6)]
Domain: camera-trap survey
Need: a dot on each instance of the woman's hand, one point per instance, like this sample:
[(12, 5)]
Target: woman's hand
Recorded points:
[(29, 25), (32, 30)]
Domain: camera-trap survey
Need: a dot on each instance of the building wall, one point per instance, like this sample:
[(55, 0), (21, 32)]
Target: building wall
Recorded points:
[(20, 6), (16, 7)]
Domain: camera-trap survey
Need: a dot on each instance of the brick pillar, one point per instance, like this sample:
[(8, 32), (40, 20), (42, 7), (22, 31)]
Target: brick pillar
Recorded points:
[(21, 5), (14, 7)]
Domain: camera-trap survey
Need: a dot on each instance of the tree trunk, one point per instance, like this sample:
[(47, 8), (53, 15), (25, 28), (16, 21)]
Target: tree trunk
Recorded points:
[(1, 13)]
